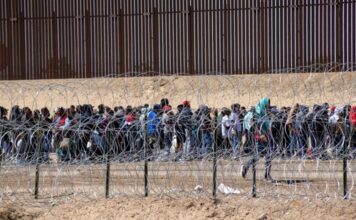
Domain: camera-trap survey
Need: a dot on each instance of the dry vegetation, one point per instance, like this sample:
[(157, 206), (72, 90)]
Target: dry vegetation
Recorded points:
[(215, 91)]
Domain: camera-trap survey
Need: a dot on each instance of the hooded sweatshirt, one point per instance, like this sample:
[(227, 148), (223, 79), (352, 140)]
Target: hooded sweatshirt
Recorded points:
[(261, 115)]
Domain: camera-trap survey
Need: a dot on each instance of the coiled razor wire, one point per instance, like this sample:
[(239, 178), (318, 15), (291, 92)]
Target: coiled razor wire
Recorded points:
[(299, 154)]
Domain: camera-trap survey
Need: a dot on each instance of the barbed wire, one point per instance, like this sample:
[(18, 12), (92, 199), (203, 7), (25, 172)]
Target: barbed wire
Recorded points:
[(167, 147)]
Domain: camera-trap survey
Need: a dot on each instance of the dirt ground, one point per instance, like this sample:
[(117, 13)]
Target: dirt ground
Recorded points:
[(185, 208), (77, 191), (215, 91)]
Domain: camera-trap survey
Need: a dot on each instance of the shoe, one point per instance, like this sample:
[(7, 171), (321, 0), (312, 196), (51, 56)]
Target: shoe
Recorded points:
[(243, 171), (268, 177)]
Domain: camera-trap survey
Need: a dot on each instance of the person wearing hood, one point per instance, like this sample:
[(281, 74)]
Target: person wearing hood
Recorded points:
[(261, 138)]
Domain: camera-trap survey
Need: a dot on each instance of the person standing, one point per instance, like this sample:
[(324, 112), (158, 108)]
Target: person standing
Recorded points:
[(261, 136)]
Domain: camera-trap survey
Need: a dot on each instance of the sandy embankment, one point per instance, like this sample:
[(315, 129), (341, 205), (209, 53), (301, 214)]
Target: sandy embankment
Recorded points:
[(186, 209), (215, 91)]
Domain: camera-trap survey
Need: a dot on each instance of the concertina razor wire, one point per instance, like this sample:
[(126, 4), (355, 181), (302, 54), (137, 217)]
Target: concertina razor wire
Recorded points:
[(179, 136)]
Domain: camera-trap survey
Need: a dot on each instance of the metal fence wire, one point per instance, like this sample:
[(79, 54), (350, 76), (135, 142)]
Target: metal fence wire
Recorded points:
[(94, 38), (266, 151)]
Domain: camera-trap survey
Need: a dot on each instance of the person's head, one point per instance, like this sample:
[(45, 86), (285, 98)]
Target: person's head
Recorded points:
[(60, 111), (87, 110), (45, 112), (156, 108), (332, 109), (16, 113), (206, 110), (72, 109), (3, 112), (326, 105), (107, 109), (186, 104), (36, 114), (316, 108), (304, 109), (27, 112), (262, 106), (101, 109), (273, 111), (129, 109), (164, 102), (180, 108), (119, 111), (111, 112), (225, 111), (235, 107), (78, 109), (243, 110)]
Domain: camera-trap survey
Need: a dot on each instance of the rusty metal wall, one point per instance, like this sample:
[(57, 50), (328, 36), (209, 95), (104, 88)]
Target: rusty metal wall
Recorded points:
[(42, 39)]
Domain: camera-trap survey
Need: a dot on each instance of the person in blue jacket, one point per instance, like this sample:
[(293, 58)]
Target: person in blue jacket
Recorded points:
[(153, 129)]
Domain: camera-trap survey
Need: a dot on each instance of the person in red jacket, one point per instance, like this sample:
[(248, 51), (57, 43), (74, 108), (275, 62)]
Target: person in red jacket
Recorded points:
[(352, 118)]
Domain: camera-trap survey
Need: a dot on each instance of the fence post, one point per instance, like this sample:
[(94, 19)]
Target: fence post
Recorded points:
[(214, 165), (155, 47), (339, 38), (8, 58), (22, 46), (89, 72), (146, 161), (226, 57), (215, 155), (254, 176), (54, 46), (121, 43), (191, 40), (345, 172), (37, 178), (107, 181)]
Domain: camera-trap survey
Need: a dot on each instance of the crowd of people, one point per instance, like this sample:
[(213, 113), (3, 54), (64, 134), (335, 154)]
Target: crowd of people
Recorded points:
[(162, 133)]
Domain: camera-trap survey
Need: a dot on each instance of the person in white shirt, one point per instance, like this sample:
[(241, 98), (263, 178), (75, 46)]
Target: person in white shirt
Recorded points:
[(225, 126)]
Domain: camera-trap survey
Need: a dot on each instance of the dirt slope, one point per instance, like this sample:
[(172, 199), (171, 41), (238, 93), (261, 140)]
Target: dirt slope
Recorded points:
[(216, 91)]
